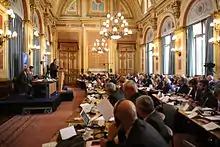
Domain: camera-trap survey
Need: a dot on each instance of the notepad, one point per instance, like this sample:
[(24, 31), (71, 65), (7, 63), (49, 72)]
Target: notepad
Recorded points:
[(211, 126), (192, 115), (68, 132)]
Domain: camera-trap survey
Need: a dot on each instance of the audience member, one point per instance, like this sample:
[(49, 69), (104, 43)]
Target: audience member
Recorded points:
[(130, 90), (114, 94), (145, 110), (138, 133)]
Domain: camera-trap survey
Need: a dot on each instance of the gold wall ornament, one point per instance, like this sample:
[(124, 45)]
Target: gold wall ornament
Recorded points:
[(5, 3), (176, 8)]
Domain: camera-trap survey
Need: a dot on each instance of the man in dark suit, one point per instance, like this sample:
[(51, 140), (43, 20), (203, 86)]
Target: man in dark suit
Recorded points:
[(183, 88), (138, 133), (114, 94), (145, 109), (131, 91), (23, 82), (205, 96), (53, 69)]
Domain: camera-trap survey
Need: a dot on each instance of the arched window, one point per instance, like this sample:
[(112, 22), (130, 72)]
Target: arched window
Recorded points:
[(98, 5), (199, 51), (168, 57), (149, 51), (36, 44)]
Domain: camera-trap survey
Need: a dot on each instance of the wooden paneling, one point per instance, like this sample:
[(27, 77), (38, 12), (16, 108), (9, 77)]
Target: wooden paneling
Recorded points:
[(68, 61), (126, 58)]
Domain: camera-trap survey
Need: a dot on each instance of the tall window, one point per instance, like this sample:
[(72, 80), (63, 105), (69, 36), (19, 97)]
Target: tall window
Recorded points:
[(36, 44), (166, 52), (149, 51), (36, 52), (198, 48), (199, 51), (48, 51), (168, 60)]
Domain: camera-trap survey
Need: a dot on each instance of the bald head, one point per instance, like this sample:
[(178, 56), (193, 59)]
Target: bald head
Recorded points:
[(129, 88), (125, 113)]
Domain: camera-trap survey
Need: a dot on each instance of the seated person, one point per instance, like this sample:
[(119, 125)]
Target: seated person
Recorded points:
[(31, 73), (145, 109), (193, 89), (166, 86), (137, 132), (114, 94), (130, 90), (23, 82), (212, 82), (205, 96), (183, 88), (217, 96)]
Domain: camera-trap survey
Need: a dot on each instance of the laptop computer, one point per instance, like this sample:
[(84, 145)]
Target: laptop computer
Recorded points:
[(87, 120)]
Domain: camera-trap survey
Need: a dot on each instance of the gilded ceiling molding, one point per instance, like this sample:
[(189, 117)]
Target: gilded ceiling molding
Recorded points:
[(5, 3)]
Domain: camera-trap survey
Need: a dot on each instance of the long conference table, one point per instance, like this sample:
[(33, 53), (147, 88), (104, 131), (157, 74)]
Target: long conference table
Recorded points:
[(197, 120)]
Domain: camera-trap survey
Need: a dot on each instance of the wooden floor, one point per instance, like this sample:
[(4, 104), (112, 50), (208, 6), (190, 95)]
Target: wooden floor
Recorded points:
[(34, 130)]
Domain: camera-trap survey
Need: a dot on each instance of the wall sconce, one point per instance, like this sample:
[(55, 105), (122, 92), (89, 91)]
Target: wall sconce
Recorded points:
[(46, 53), (48, 43), (214, 40), (177, 50), (7, 34), (156, 55)]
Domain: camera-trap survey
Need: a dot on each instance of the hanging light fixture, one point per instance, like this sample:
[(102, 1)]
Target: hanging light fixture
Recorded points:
[(100, 46), (115, 27)]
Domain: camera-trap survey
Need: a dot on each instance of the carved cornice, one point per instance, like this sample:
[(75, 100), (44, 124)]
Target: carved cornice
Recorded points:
[(176, 8), (5, 3)]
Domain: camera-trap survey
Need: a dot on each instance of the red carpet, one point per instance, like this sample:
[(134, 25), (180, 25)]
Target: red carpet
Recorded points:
[(34, 130)]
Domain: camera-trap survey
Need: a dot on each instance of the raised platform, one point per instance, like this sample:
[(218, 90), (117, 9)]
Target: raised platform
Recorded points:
[(17, 104)]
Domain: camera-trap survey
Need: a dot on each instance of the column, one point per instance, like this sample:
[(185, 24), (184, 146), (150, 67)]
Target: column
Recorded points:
[(157, 62), (42, 50), (180, 56)]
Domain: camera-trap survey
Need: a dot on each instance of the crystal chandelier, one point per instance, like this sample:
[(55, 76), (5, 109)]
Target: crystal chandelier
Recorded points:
[(115, 27), (100, 46)]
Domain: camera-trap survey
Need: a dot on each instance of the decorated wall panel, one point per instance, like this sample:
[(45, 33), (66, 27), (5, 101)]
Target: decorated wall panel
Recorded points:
[(72, 8), (96, 61)]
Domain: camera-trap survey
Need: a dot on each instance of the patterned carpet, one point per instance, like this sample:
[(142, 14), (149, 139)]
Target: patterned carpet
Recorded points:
[(34, 130)]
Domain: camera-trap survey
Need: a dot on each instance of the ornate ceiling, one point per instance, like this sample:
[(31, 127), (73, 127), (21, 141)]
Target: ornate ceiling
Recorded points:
[(60, 6)]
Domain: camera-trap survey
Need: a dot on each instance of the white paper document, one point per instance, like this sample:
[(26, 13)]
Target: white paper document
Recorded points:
[(49, 144), (192, 115), (68, 132), (213, 118), (106, 109), (86, 107), (211, 126)]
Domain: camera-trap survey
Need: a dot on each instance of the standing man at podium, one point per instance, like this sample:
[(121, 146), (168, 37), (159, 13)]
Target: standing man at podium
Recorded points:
[(53, 69)]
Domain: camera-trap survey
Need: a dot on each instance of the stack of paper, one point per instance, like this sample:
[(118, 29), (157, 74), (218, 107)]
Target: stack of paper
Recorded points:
[(86, 107), (211, 126), (68, 132)]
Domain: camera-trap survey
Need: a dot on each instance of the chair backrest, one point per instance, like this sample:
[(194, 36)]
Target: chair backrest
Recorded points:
[(169, 131), (186, 143), (162, 116), (170, 112)]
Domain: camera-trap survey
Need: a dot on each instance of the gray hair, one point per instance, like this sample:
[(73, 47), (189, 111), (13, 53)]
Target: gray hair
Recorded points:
[(130, 83), (111, 87), (145, 103)]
